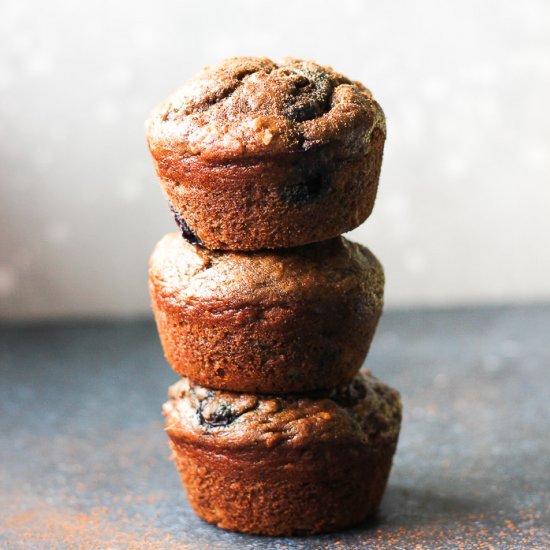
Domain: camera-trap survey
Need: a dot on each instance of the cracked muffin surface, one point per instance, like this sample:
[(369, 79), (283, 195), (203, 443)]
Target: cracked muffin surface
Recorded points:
[(364, 411), (254, 106), (198, 275)]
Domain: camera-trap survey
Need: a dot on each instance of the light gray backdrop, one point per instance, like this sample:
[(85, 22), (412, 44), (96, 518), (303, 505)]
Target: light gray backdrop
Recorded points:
[(463, 213)]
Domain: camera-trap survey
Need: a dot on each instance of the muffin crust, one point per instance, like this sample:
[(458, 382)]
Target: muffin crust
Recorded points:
[(252, 107)]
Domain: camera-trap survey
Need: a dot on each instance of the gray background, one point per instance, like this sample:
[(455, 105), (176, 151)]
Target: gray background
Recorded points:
[(463, 210)]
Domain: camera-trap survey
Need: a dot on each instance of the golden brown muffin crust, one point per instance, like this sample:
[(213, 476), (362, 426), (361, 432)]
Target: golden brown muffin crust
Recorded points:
[(365, 412), (249, 106)]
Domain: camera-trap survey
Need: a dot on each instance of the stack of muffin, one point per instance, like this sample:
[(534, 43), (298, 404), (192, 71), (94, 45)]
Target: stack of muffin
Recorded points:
[(263, 309)]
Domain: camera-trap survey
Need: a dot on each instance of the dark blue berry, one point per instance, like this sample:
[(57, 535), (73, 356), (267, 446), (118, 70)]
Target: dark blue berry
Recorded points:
[(306, 190), (222, 415), (186, 231)]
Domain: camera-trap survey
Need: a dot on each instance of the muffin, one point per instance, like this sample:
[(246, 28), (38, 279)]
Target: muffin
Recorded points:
[(284, 465), (254, 154), (281, 321)]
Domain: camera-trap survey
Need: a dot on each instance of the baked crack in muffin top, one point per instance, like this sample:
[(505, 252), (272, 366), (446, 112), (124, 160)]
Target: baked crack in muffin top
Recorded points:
[(364, 411), (249, 106), (189, 274)]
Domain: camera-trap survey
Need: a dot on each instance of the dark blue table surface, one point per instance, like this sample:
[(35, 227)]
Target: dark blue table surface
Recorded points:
[(85, 460)]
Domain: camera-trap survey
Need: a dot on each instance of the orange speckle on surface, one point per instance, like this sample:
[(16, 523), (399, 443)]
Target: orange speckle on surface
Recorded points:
[(47, 526)]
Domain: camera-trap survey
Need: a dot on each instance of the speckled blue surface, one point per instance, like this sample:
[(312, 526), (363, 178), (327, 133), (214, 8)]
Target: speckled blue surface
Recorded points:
[(85, 460)]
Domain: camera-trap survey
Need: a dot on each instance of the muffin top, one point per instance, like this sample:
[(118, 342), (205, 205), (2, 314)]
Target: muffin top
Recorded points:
[(252, 106), (363, 411), (188, 275)]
